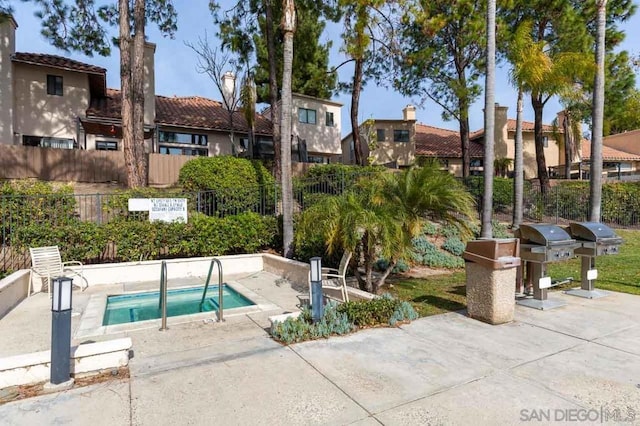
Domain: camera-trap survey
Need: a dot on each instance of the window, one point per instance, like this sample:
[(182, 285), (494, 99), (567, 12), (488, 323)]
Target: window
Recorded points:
[(318, 160), (401, 136), (380, 135), (54, 85), (46, 142), (329, 119), (106, 146), (182, 138), (307, 115), (183, 151), (545, 141), (170, 143)]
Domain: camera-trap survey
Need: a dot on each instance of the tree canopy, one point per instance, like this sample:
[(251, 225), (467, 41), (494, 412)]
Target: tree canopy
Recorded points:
[(243, 29)]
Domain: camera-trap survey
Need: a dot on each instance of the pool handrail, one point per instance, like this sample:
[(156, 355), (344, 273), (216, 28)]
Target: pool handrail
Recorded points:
[(220, 285)]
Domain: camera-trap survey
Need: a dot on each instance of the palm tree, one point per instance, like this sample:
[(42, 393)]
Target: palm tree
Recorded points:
[(380, 216), (288, 26), (595, 183), (518, 167), (529, 65), (489, 121)]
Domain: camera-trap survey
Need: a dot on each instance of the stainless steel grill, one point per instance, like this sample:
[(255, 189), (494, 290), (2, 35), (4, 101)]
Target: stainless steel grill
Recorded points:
[(545, 243), (541, 244), (594, 239)]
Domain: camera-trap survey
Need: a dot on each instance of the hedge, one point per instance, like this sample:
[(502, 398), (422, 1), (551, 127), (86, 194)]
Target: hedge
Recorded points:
[(135, 240), (236, 184)]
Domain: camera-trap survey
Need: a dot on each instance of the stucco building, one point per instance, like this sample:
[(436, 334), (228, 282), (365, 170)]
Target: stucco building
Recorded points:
[(56, 102)]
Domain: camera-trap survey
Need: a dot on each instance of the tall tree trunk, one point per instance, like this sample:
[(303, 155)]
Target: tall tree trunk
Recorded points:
[(595, 183), (137, 81), (355, 102), (518, 167), (489, 121), (125, 92), (567, 129), (288, 26), (273, 87), (543, 175), (464, 138)]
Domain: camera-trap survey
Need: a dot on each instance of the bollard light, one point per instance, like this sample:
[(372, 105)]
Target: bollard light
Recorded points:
[(62, 291), (61, 331), (316, 269), (317, 299)]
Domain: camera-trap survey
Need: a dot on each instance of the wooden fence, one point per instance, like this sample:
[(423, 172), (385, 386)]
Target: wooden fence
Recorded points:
[(73, 165), (65, 165)]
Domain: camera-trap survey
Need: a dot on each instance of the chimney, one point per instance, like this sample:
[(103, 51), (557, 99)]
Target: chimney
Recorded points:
[(7, 48), (409, 113), (149, 84), (229, 88)]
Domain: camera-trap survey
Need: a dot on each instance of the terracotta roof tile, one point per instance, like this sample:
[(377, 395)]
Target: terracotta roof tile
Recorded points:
[(608, 153), (442, 143), (55, 61), (527, 126), (192, 111)]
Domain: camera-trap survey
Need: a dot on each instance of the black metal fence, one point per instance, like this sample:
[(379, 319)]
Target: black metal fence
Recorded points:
[(560, 204)]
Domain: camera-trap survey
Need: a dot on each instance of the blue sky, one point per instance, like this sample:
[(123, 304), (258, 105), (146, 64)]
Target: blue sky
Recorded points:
[(176, 68)]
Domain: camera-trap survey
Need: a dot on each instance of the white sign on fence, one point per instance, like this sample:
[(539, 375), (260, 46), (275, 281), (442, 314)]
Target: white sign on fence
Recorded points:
[(162, 209), (168, 209)]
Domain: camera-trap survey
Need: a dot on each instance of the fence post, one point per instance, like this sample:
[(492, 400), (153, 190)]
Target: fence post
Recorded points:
[(99, 208), (275, 198), (555, 188), (199, 202)]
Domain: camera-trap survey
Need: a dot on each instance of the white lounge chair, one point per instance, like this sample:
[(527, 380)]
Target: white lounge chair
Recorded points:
[(335, 279), (46, 263)]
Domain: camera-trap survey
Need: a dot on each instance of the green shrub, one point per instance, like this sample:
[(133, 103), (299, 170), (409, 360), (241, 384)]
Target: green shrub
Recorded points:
[(25, 202), (343, 319), (84, 241), (367, 313), (426, 253), (454, 245), (235, 184), (299, 329), (502, 190)]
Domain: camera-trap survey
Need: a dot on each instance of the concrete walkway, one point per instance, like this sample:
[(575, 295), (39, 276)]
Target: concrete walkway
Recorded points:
[(446, 369)]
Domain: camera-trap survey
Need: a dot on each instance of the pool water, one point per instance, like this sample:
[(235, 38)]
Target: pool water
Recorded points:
[(128, 308)]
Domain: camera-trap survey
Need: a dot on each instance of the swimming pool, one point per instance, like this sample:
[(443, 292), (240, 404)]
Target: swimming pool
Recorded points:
[(128, 308)]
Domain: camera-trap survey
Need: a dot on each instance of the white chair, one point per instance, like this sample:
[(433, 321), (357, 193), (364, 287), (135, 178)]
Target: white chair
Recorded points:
[(335, 279), (46, 263)]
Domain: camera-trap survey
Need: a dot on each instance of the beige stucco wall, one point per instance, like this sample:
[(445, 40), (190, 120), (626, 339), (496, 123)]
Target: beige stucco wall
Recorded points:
[(40, 114), (552, 153), (627, 142), (321, 139), (7, 47), (388, 151)]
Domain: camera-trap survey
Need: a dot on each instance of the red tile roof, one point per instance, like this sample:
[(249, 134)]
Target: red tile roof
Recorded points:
[(55, 61), (527, 126), (443, 143), (192, 111), (608, 153)]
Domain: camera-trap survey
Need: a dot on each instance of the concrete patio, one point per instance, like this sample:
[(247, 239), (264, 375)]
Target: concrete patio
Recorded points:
[(446, 369)]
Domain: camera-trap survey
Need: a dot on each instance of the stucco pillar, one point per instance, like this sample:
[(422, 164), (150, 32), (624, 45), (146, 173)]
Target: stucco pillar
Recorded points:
[(7, 48)]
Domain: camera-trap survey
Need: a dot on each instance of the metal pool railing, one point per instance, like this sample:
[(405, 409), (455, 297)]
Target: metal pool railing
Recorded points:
[(215, 261)]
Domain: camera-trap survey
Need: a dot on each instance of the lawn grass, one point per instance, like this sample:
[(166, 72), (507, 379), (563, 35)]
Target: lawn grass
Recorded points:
[(434, 295), (445, 293)]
